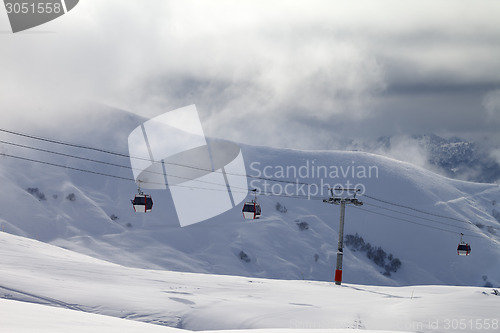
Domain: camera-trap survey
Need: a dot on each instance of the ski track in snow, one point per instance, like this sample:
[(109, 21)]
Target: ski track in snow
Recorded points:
[(20, 295)]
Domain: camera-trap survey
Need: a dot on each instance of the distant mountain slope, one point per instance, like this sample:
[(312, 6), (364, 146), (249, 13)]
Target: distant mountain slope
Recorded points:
[(412, 218)]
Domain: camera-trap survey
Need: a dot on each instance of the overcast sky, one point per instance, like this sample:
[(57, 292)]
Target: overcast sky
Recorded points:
[(296, 74)]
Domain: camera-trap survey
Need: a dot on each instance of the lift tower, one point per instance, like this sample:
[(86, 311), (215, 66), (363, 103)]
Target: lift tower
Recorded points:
[(342, 202)]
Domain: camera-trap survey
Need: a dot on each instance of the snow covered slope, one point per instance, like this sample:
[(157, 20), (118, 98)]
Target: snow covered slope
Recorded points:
[(37, 273), (295, 239)]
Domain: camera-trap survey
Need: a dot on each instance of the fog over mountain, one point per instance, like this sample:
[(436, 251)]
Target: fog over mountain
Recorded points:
[(453, 157), (302, 75)]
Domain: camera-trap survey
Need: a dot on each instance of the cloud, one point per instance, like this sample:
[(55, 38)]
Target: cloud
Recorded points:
[(299, 76), (408, 149), (491, 103)]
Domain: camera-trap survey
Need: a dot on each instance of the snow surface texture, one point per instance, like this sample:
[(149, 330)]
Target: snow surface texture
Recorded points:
[(92, 214), (296, 239), (37, 273)]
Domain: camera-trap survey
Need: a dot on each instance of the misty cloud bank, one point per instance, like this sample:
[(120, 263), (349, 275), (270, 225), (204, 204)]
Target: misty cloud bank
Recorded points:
[(453, 157), (307, 76)]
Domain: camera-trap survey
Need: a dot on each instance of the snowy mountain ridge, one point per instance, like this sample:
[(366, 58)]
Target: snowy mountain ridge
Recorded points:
[(295, 239)]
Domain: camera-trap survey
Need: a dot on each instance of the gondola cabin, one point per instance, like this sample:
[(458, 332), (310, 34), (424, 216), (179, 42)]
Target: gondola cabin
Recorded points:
[(251, 210), (143, 203), (463, 249)]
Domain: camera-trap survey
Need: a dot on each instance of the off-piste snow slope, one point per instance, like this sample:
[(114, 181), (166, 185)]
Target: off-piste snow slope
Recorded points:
[(36, 275), (405, 234)]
